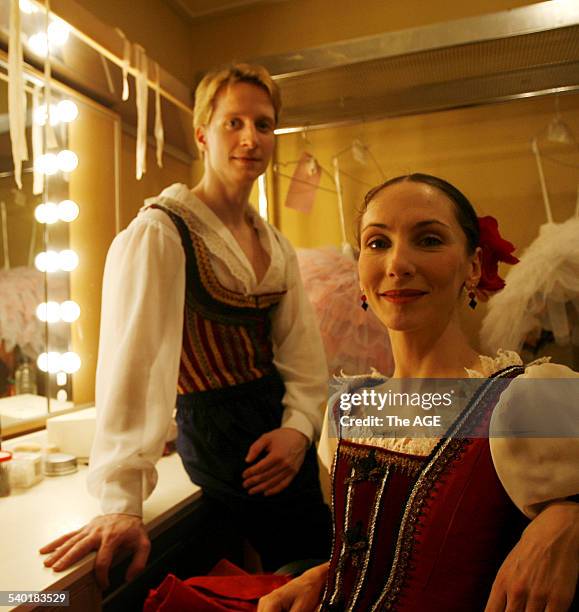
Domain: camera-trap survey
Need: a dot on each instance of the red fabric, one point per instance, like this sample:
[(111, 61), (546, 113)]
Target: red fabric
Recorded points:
[(226, 588)]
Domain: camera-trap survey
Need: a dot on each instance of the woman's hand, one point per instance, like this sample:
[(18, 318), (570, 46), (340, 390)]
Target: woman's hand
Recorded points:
[(285, 450), (302, 594), (107, 534), (540, 573)]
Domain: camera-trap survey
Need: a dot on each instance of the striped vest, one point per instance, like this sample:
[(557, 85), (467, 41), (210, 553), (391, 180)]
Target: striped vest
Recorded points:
[(226, 335)]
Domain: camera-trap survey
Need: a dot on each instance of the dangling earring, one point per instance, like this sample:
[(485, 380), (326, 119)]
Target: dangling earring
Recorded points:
[(364, 301), (472, 297)]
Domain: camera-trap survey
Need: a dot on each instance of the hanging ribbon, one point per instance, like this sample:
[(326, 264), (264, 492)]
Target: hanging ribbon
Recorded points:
[(51, 141), (142, 100), (340, 198), (37, 144), (16, 94), (126, 63), (159, 132), (546, 201)]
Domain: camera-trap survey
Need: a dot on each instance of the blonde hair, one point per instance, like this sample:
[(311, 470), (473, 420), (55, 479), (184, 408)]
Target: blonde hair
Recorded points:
[(212, 83)]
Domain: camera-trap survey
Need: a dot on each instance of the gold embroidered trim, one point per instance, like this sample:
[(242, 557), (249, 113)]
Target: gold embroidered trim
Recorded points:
[(406, 464)]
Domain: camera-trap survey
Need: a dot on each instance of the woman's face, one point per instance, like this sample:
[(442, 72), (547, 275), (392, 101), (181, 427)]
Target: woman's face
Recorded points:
[(413, 260), (238, 141)]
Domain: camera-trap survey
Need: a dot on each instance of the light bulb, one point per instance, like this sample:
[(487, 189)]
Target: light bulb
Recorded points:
[(48, 312), (70, 362), (69, 311), (68, 260), (40, 115), (49, 362), (38, 44), (67, 111), (54, 360), (67, 160), (42, 362), (61, 379), (58, 32), (47, 164), (46, 213), (47, 261), (68, 210), (27, 7), (61, 394)]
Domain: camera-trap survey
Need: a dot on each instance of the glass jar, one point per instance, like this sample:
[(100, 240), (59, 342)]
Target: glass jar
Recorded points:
[(5, 459)]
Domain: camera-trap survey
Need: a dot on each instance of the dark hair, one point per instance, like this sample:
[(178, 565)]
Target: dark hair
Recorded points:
[(465, 213)]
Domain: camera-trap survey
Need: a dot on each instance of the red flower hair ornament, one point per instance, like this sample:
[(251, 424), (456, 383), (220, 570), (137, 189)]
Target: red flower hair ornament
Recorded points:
[(494, 249)]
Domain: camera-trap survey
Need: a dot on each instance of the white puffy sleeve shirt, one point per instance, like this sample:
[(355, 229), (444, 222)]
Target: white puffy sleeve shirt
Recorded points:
[(141, 334)]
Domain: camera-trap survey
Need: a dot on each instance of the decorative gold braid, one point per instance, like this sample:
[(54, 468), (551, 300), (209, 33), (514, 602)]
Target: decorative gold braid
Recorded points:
[(408, 465)]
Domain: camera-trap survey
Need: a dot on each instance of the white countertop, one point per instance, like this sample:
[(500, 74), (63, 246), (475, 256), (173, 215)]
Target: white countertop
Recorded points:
[(31, 518)]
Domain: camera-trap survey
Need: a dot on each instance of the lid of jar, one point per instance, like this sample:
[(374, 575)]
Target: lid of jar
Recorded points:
[(5, 456), (59, 464)]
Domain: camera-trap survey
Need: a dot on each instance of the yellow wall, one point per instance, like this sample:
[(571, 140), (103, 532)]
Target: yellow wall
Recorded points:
[(485, 151)]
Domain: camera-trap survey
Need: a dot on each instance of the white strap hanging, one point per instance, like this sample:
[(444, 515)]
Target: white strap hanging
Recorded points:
[(159, 132), (340, 199), (16, 94), (37, 144), (126, 63), (51, 142), (5, 247), (535, 148), (142, 100)]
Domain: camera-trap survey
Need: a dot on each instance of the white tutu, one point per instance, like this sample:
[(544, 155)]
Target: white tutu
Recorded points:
[(541, 293), (354, 340)]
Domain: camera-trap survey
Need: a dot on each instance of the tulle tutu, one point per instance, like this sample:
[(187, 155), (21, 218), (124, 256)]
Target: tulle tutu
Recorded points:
[(542, 292), (354, 340), (21, 291)]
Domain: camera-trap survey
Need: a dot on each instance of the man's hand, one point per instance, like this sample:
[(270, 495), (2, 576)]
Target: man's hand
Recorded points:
[(107, 534), (540, 573), (302, 594), (285, 450)]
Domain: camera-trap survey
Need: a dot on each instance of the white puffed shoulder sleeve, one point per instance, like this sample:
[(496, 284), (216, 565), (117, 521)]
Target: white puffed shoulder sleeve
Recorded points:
[(138, 362), (533, 468)]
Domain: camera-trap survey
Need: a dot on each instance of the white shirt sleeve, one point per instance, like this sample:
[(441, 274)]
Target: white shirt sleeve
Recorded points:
[(537, 470), (299, 354), (138, 364)]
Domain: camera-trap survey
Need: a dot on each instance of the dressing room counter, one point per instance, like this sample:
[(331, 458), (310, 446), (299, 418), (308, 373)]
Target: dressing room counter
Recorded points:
[(30, 518)]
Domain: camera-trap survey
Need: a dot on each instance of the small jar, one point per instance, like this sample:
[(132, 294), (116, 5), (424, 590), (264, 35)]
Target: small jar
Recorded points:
[(5, 459), (26, 469)]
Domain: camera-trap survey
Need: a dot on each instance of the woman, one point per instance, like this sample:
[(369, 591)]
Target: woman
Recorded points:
[(423, 524), (203, 296)]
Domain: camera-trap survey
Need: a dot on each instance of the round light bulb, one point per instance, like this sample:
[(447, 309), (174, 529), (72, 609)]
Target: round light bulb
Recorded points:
[(70, 362), (52, 312), (54, 361), (42, 362), (61, 394), (67, 111), (40, 115), (69, 311), (67, 160), (41, 311), (50, 213), (58, 32), (61, 379), (27, 7), (68, 260), (52, 261), (68, 210), (39, 213), (38, 44), (40, 261), (47, 164)]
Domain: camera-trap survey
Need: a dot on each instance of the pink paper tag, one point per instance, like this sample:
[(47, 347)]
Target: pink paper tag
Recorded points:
[(304, 184)]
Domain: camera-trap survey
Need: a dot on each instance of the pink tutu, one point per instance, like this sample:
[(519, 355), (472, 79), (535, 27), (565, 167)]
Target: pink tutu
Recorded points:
[(355, 341)]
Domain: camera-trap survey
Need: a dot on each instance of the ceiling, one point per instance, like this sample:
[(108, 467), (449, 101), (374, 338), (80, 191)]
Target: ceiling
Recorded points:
[(524, 52), (195, 9)]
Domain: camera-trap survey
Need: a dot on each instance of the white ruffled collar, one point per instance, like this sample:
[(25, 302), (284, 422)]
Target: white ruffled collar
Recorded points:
[(504, 359)]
